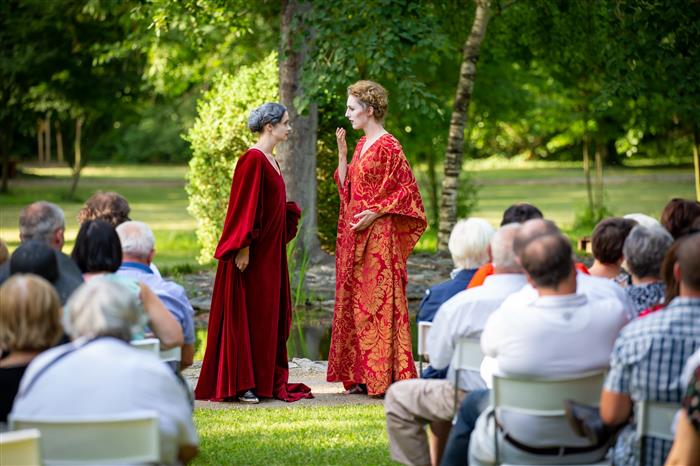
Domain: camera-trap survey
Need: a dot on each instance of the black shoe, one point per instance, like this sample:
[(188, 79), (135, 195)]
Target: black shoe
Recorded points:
[(249, 397), (586, 422)]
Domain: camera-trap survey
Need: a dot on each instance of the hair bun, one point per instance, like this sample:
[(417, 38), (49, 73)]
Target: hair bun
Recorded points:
[(270, 112)]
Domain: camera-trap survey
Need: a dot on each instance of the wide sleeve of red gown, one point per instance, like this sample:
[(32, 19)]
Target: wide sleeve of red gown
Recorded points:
[(292, 220), (242, 223)]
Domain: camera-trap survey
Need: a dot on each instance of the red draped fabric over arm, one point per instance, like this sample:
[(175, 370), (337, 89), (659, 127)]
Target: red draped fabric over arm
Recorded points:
[(371, 339), (251, 311)]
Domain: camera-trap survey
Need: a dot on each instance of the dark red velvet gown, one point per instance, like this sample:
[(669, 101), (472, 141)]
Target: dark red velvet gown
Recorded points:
[(251, 311)]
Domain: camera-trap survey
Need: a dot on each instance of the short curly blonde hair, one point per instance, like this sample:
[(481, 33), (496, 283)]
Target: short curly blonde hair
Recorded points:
[(371, 94)]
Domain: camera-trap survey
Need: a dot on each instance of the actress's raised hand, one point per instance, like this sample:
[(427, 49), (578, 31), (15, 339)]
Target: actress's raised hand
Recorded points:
[(363, 220), (342, 145)]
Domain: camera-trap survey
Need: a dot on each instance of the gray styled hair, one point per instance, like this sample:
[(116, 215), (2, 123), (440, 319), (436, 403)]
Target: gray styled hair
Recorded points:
[(502, 252), (39, 220), (270, 112), (469, 242), (136, 238), (102, 307), (644, 250)]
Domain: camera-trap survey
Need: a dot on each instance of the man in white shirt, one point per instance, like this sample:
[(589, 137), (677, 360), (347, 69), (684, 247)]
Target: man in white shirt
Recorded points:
[(560, 333), (410, 404)]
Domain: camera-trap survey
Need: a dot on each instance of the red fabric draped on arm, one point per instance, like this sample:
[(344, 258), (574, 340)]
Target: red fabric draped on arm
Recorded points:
[(292, 222), (242, 223)]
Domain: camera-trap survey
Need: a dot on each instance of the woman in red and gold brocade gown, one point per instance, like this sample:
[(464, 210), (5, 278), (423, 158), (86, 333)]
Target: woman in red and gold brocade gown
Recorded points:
[(381, 219), (251, 308)]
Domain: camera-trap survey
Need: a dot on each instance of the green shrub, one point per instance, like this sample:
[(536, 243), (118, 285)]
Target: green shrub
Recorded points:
[(219, 136)]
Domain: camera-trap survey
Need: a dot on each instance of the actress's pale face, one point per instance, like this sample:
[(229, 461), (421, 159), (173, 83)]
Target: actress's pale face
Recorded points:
[(358, 115), (280, 131)]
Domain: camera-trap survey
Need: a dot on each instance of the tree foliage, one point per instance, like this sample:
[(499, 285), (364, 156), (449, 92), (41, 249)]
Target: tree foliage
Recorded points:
[(218, 137)]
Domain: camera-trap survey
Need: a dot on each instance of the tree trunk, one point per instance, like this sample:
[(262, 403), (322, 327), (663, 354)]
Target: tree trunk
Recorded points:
[(47, 137), (77, 162), (59, 141), (696, 160), (40, 140), (587, 173), (297, 155), (599, 160), (5, 144), (455, 142)]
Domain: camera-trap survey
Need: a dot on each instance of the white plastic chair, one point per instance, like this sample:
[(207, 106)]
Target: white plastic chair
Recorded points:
[(423, 331), (128, 438), (152, 345), (20, 448), (172, 355), (654, 419), (467, 356), (543, 396)]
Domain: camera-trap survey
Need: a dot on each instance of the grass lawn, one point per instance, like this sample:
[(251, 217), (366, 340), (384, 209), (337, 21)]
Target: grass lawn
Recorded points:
[(157, 196), (296, 435)]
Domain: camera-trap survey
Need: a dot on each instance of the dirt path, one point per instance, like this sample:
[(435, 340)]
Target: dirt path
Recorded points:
[(311, 373)]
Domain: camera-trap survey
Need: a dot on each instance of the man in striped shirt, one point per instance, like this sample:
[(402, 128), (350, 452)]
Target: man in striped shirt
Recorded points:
[(648, 359)]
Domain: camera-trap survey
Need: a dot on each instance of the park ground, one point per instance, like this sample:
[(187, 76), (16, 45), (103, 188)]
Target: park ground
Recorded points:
[(332, 433)]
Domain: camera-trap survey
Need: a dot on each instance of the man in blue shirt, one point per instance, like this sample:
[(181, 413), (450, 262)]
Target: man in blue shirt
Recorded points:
[(138, 249)]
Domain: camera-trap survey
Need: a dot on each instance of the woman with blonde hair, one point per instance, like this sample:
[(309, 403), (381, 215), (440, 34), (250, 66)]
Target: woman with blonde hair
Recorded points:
[(30, 317), (381, 219)]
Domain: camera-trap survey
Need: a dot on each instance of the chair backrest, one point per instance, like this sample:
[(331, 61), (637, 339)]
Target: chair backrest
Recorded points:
[(654, 419), (545, 396), (172, 354), (467, 354), (423, 331), (152, 345), (128, 438), (20, 448)]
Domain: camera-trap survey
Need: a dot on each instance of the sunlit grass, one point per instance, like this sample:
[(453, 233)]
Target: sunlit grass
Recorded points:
[(348, 435)]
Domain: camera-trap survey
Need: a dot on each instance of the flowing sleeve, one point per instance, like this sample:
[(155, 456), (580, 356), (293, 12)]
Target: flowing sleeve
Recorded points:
[(292, 221), (242, 223)]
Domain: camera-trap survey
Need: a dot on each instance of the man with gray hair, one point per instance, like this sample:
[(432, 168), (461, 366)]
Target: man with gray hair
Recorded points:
[(44, 221), (412, 403), (138, 249)]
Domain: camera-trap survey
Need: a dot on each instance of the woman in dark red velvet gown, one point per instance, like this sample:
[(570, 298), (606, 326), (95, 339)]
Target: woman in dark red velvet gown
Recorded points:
[(251, 311)]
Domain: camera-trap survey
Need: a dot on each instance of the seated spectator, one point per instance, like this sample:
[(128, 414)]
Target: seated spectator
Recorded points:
[(99, 373), (4, 252), (98, 252), (667, 277), (607, 241), (644, 252), (111, 207), (686, 445), (108, 206), (517, 213), (648, 357), (138, 249), (35, 257), (412, 403), (642, 219), (560, 333), (30, 312), (44, 221), (468, 245), (679, 215)]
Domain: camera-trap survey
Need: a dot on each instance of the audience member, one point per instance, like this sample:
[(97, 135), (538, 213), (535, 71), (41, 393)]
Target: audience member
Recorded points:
[(679, 215), (101, 374), (560, 333), (607, 240), (108, 206), (138, 249), (644, 252), (648, 357), (98, 252), (44, 221), (642, 219), (4, 252), (517, 213), (30, 312), (686, 445), (412, 403), (35, 257)]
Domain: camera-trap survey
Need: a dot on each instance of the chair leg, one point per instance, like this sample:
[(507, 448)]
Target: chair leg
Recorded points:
[(456, 406)]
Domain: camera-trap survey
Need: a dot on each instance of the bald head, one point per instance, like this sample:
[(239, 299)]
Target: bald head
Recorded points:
[(548, 260), (531, 230), (502, 254)]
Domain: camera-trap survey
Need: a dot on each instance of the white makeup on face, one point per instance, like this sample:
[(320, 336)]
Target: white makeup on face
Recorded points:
[(356, 113)]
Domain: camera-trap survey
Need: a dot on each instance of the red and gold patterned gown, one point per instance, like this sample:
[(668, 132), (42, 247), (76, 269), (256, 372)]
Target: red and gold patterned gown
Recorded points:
[(371, 337)]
